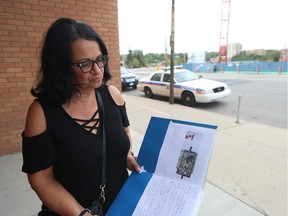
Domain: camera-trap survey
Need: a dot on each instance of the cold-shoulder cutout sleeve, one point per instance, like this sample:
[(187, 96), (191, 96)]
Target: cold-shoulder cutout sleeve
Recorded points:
[(38, 152), (124, 115)]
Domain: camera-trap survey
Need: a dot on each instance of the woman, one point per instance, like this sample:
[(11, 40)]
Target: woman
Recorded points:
[(62, 139)]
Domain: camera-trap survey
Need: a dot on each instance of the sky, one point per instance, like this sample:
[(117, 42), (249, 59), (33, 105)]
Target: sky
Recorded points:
[(255, 24)]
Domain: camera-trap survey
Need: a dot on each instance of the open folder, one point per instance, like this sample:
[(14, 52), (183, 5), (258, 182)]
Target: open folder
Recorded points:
[(175, 157)]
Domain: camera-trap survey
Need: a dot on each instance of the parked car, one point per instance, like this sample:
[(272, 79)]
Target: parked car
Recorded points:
[(128, 79), (188, 87)]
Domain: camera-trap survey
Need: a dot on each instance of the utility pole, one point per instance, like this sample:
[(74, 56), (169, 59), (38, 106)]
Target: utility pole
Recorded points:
[(171, 98), (165, 52)]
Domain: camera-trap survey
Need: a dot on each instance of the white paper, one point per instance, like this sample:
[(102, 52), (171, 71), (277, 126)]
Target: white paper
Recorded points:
[(195, 141), (165, 197), (176, 187)]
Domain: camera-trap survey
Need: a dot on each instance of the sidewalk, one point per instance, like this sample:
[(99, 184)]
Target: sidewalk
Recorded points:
[(248, 169), (247, 174)]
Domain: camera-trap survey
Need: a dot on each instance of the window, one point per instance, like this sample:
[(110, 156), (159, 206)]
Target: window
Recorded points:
[(185, 76), (166, 78), (156, 77)]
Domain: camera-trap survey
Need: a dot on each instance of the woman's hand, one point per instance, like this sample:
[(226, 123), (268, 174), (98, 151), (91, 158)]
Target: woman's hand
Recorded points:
[(132, 163)]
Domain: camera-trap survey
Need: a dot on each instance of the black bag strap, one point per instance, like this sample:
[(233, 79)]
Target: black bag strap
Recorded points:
[(103, 177)]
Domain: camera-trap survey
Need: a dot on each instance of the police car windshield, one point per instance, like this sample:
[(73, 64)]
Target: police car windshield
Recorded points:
[(185, 76)]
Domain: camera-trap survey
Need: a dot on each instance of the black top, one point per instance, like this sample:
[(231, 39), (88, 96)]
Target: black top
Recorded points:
[(76, 153)]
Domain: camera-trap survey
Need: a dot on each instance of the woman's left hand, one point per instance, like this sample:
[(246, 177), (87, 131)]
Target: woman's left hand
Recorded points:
[(132, 163)]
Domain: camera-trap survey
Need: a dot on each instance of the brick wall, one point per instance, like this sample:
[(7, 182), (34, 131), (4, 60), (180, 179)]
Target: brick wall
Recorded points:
[(22, 25)]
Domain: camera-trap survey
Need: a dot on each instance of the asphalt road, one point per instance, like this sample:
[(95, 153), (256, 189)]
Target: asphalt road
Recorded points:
[(258, 98)]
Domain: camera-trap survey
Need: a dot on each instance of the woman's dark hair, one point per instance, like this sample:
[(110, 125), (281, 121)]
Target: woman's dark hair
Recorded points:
[(55, 73)]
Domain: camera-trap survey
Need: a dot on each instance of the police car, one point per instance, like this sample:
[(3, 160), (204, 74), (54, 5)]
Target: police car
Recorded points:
[(188, 87)]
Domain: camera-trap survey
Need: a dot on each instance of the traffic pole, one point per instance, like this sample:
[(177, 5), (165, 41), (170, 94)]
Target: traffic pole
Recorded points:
[(237, 120), (279, 70)]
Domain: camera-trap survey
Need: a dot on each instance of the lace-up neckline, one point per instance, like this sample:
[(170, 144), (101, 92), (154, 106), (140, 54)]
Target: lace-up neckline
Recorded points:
[(91, 124)]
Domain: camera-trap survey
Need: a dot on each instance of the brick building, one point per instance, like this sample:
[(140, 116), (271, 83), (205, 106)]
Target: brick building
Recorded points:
[(260, 52), (22, 25)]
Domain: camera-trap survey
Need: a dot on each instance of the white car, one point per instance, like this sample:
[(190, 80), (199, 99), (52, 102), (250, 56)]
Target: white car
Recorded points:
[(188, 87)]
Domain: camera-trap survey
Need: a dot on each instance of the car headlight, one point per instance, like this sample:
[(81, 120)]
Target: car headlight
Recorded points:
[(203, 91)]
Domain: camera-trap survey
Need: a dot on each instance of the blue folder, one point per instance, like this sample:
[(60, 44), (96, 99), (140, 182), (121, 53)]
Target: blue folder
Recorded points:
[(129, 196)]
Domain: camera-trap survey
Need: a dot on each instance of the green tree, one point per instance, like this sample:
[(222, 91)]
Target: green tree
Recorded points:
[(242, 56), (272, 55), (136, 58), (153, 59), (138, 54), (135, 63), (129, 59), (210, 55), (179, 58)]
